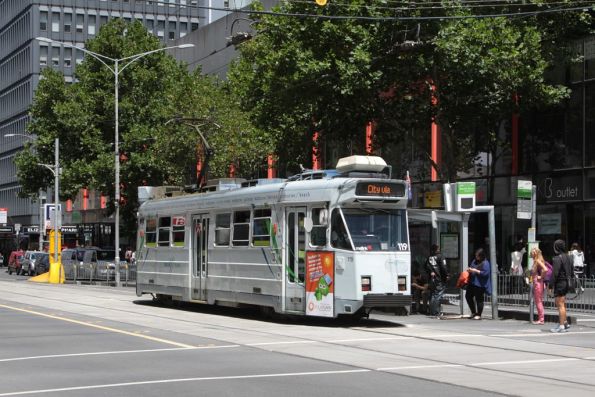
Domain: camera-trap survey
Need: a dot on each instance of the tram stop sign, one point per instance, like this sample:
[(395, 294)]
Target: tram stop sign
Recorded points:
[(465, 197), (524, 205)]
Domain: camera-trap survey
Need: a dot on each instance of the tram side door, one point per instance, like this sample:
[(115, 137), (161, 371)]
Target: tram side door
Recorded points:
[(295, 259), (200, 237)]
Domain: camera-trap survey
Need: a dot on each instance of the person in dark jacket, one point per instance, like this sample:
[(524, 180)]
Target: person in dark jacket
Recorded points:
[(562, 269), (438, 275), (480, 283)]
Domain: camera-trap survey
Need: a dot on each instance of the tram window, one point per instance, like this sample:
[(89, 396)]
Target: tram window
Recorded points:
[(339, 237), (222, 225), (178, 230), (151, 232), (241, 228), (163, 235), (261, 225), (318, 233)]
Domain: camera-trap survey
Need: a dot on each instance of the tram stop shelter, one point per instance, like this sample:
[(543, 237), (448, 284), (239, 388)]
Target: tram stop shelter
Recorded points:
[(435, 217)]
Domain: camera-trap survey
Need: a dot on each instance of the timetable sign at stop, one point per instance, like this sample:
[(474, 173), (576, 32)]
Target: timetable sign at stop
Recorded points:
[(3, 215)]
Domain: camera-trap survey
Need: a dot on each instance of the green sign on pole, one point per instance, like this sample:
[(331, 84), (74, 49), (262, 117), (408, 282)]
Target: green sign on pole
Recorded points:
[(524, 206)]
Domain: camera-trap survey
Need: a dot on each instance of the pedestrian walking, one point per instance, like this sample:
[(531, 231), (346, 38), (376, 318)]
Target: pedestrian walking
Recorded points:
[(578, 259), (480, 283), (562, 264), (538, 272), (438, 276)]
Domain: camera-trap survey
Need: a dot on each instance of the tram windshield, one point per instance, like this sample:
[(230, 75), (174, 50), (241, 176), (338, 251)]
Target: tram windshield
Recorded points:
[(371, 229)]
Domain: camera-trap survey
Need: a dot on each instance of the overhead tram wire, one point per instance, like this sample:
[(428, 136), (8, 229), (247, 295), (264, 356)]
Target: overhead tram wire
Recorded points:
[(390, 18), (481, 4)]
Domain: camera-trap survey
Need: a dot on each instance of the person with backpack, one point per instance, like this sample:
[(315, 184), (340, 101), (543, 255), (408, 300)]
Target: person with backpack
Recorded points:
[(563, 270), (538, 274), (438, 275)]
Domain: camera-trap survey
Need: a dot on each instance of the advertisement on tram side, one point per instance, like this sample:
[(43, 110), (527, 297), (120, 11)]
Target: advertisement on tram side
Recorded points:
[(320, 275)]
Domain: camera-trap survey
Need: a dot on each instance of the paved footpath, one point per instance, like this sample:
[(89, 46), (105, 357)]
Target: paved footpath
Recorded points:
[(92, 341)]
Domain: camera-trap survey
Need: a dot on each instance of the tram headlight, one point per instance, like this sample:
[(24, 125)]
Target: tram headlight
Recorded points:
[(366, 283)]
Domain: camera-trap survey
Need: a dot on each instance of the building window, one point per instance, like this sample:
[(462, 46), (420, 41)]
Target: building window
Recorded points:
[(91, 24), (68, 22), (194, 26), (222, 228), (151, 232), (164, 231), (55, 22), (171, 30), (241, 228), (183, 29), (43, 21), (79, 57), (43, 55), (261, 228), (67, 57), (102, 19), (55, 56), (80, 21), (149, 24), (161, 29)]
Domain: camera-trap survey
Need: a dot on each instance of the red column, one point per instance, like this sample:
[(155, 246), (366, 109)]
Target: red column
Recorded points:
[(369, 137), (316, 163), (85, 199), (436, 149), (232, 170), (68, 205), (271, 167), (103, 201)]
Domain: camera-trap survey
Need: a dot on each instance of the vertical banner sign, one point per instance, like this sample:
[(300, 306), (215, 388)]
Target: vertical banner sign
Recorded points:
[(320, 287), (3, 215), (524, 207)]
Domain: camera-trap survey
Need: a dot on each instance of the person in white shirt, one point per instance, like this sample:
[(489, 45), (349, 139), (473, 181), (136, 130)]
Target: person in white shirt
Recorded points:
[(578, 258), (516, 259)]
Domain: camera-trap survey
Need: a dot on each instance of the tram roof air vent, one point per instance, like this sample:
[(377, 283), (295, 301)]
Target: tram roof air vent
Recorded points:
[(361, 164)]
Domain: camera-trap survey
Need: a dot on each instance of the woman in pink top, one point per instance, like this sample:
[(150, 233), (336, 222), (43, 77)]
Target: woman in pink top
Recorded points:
[(537, 272)]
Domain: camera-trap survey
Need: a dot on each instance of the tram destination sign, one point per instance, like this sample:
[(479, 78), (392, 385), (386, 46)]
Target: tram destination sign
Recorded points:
[(380, 189)]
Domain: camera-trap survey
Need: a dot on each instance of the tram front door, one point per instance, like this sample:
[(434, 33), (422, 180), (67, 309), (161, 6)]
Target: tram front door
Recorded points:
[(295, 257), (200, 235)]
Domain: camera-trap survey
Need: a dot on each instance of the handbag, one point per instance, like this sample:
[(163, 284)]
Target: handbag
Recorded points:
[(463, 279)]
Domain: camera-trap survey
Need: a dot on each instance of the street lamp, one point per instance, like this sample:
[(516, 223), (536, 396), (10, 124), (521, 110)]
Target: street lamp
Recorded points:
[(55, 169), (116, 70)]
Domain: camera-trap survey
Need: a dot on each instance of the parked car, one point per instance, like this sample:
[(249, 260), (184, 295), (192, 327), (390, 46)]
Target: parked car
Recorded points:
[(42, 263), (14, 262), (29, 261), (90, 263)]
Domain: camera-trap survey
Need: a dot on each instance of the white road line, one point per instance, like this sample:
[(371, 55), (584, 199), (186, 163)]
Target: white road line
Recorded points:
[(293, 342), (3, 360), (571, 332), (547, 360), (369, 339), (420, 367), (161, 381), (585, 320), (550, 360)]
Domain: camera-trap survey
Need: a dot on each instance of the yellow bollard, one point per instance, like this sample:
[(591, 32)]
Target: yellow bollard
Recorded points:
[(56, 273)]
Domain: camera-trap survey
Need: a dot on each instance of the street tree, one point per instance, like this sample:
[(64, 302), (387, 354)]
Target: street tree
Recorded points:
[(152, 91), (403, 65)]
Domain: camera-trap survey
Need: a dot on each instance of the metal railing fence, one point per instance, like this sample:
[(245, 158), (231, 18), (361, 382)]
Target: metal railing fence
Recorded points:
[(99, 273)]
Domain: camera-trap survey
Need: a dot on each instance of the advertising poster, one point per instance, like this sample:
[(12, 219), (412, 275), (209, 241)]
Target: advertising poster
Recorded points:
[(320, 276)]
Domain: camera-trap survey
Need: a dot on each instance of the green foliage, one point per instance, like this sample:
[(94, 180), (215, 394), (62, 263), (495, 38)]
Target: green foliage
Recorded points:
[(300, 75), (152, 90)]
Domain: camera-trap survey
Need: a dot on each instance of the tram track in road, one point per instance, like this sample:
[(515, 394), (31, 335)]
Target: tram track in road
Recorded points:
[(377, 334)]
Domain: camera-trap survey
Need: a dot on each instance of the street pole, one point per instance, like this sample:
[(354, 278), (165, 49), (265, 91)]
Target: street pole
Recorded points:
[(117, 168), (57, 212)]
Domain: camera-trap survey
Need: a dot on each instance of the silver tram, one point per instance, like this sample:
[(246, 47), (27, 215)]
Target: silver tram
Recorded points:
[(322, 243)]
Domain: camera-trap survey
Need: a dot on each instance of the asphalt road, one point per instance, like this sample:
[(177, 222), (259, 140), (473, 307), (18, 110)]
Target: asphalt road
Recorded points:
[(67, 340)]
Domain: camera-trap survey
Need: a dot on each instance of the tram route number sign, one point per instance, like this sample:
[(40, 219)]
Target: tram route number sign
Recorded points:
[(524, 205), (380, 189)]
